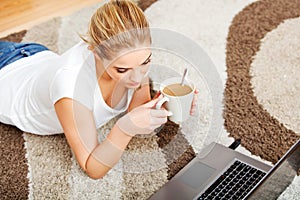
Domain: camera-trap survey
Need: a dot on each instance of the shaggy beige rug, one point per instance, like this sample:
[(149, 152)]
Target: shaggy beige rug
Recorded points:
[(253, 46)]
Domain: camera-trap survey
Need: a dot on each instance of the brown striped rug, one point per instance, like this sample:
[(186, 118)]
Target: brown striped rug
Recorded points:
[(255, 48)]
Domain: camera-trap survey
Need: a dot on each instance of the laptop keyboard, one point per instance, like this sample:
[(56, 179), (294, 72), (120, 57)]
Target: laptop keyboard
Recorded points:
[(235, 183)]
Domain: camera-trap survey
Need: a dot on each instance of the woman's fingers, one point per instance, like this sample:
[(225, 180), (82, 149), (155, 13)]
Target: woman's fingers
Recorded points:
[(156, 95), (159, 113), (194, 102), (157, 121), (158, 117)]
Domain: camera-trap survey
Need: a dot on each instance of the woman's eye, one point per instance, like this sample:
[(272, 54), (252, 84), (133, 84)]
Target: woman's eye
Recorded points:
[(146, 62), (122, 70)]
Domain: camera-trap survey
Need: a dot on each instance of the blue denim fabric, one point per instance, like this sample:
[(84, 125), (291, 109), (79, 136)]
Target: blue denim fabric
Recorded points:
[(11, 51)]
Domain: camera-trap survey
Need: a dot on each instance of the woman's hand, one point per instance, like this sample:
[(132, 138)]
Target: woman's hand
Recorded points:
[(194, 102), (143, 119)]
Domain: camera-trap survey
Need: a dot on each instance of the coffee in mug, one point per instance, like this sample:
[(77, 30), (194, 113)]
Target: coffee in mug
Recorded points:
[(177, 98), (176, 89)]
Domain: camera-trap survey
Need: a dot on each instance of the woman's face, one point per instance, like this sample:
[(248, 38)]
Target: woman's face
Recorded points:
[(131, 68)]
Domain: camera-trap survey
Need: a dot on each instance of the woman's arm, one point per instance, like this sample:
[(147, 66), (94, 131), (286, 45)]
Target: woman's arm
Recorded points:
[(80, 130)]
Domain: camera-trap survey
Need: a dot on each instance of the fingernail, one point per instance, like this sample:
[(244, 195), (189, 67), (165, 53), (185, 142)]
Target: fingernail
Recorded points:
[(160, 96), (170, 113)]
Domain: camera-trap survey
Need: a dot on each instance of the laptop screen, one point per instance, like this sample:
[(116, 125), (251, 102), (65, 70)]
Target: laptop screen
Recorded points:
[(279, 177)]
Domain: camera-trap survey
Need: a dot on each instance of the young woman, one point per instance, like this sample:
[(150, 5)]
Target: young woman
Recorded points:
[(77, 92)]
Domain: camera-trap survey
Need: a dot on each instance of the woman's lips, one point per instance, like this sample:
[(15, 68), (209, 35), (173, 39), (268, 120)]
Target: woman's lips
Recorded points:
[(136, 84)]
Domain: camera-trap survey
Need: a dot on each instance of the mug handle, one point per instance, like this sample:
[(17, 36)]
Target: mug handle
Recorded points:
[(161, 102)]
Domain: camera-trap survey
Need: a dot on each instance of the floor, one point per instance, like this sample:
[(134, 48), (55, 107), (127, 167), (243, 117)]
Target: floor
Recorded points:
[(17, 15)]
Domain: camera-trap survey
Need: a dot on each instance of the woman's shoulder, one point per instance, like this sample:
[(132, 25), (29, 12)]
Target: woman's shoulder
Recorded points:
[(78, 55), (80, 46)]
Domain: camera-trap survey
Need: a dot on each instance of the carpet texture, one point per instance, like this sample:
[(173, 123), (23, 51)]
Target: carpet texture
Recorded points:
[(253, 45), (262, 66)]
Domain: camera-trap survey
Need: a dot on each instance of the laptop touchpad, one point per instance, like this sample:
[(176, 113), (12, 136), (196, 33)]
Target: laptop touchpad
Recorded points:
[(197, 175)]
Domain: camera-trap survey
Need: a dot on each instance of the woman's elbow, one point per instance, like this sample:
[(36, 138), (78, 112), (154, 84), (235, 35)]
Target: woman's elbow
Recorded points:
[(95, 170), (95, 175)]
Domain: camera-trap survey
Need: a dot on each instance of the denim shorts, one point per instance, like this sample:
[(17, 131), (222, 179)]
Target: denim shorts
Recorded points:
[(12, 51)]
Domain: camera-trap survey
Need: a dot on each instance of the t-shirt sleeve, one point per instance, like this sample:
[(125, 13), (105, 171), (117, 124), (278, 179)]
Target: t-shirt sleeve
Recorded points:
[(71, 84)]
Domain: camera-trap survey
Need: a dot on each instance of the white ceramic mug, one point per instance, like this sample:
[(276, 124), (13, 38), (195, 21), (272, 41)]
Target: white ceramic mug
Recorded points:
[(179, 106)]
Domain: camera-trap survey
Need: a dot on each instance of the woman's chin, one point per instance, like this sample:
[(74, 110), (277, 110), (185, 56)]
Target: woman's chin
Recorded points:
[(133, 86)]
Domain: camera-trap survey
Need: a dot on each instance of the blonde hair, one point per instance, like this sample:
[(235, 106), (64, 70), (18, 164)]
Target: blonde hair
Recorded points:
[(117, 25)]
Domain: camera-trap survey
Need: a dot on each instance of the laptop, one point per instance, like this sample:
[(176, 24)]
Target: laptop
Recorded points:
[(219, 172)]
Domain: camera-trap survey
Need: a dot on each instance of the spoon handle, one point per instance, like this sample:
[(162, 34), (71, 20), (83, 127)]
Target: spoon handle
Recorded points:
[(183, 76)]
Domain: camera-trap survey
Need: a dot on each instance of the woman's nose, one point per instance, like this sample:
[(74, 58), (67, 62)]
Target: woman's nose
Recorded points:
[(136, 76)]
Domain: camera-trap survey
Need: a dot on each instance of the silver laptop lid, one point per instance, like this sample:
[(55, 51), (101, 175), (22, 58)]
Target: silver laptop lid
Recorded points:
[(279, 177)]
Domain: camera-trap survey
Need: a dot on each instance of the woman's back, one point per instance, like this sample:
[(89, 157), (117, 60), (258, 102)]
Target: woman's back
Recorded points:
[(28, 102)]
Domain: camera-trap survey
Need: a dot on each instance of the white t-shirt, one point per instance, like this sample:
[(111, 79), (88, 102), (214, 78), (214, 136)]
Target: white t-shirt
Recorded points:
[(29, 88)]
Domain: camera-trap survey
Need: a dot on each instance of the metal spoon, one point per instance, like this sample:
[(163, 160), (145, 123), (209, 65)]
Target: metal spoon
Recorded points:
[(183, 76)]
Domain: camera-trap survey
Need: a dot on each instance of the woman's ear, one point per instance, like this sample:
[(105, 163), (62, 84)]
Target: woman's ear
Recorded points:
[(96, 55), (92, 49)]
